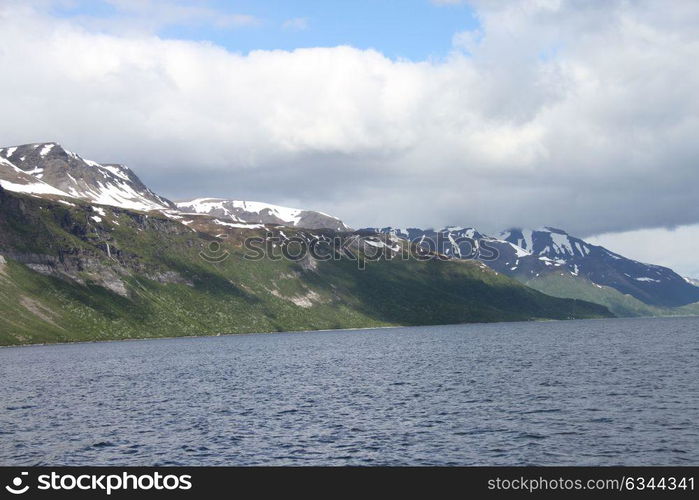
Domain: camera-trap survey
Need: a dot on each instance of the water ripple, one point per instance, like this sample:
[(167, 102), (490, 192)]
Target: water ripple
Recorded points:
[(571, 393)]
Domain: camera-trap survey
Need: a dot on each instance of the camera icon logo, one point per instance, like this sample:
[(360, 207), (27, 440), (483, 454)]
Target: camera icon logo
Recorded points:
[(16, 487), (214, 251)]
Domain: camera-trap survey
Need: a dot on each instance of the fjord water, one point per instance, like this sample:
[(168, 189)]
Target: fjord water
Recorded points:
[(597, 392)]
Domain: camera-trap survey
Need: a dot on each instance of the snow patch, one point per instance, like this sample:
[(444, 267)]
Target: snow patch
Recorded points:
[(35, 171), (561, 244), (33, 188), (232, 224), (519, 251), (291, 216), (116, 171), (527, 242)]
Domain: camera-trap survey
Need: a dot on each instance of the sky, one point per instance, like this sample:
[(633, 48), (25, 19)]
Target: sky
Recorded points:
[(575, 114), (407, 29)]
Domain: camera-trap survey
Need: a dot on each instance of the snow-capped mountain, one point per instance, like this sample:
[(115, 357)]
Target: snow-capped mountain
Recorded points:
[(263, 213), (526, 254), (15, 179), (452, 241), (50, 169), (548, 242), (655, 285)]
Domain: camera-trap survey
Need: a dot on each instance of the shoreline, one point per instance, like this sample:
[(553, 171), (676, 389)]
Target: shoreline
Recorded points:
[(141, 339), (37, 344)]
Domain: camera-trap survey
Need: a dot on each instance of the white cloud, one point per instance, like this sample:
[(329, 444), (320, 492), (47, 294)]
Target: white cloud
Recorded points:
[(295, 24), (576, 115), (676, 248), (235, 20)]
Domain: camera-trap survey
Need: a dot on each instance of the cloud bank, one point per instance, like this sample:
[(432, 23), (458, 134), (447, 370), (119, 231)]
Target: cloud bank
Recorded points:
[(581, 115), (675, 248)]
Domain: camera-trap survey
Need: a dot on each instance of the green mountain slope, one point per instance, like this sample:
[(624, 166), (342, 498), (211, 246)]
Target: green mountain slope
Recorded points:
[(566, 286), (74, 272)]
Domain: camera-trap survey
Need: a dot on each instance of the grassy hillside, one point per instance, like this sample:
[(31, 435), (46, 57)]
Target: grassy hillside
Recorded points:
[(566, 286), (77, 272)]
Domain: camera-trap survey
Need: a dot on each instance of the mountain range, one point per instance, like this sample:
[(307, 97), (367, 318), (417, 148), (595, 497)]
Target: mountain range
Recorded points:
[(559, 264), (87, 251)]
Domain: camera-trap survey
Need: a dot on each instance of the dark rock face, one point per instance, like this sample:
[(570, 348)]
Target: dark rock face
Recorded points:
[(91, 253), (316, 220)]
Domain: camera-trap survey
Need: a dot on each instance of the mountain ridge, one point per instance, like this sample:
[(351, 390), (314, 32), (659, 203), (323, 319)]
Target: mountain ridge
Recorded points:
[(48, 168), (79, 272), (264, 213), (75, 177), (108, 232), (527, 254)]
